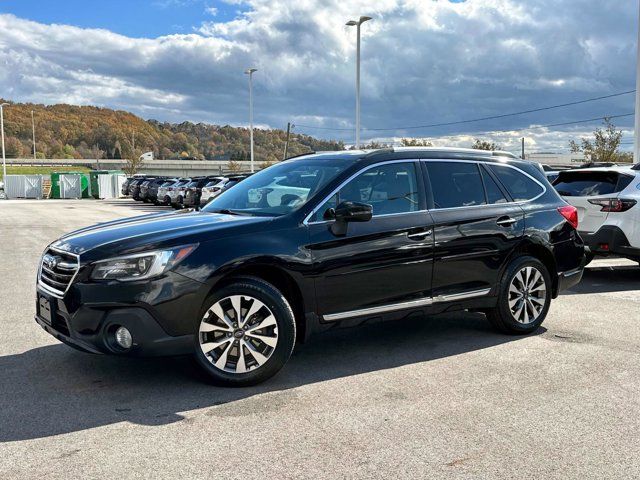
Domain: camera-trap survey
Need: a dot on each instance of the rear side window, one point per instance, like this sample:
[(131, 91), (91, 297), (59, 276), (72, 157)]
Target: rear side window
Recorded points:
[(494, 194), (519, 186), (456, 184), (589, 184)]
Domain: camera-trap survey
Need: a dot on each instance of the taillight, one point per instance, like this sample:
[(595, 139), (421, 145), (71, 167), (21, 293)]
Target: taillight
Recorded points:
[(613, 204), (570, 213)]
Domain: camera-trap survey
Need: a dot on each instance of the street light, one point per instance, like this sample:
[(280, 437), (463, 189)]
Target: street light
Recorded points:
[(249, 71), (636, 138), (354, 23), (4, 159), (33, 131)]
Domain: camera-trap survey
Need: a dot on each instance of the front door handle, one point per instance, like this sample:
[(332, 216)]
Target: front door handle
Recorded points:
[(422, 235), (506, 221)]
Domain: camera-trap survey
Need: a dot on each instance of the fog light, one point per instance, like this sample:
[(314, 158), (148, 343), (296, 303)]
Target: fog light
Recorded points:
[(123, 338)]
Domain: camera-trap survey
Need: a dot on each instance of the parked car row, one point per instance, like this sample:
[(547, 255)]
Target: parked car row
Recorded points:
[(184, 192)]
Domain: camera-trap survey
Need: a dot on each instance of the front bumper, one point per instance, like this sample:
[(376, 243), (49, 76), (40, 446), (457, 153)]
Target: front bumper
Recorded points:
[(162, 315), (610, 240), (94, 333)]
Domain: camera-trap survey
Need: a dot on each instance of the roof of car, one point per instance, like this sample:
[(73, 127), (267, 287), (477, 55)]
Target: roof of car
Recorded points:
[(398, 153)]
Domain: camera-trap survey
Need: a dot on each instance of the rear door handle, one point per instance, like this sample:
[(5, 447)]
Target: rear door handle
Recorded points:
[(421, 235), (506, 221)]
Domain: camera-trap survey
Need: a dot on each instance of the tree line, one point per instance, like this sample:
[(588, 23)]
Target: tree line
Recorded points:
[(70, 131)]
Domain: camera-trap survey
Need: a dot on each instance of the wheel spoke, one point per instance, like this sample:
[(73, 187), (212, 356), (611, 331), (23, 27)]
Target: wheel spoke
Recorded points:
[(208, 346), (210, 327), (259, 358), (535, 280), (236, 301), (241, 366), (219, 312), (535, 311), (264, 323), (271, 341), (221, 363), (255, 306)]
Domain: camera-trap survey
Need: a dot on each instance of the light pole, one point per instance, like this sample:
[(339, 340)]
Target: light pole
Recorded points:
[(636, 141), (354, 23), (4, 159), (33, 130), (249, 71)]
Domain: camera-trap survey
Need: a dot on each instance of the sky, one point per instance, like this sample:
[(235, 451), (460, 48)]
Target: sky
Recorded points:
[(424, 62)]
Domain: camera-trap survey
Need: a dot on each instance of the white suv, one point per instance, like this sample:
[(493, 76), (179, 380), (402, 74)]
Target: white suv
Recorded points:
[(606, 198)]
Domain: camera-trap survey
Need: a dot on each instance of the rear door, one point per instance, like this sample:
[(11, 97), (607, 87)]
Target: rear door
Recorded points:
[(578, 187), (476, 227)]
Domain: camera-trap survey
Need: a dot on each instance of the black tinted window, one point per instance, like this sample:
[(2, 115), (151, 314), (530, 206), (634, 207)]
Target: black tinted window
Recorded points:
[(494, 194), (390, 188), (519, 186), (588, 184), (455, 184)]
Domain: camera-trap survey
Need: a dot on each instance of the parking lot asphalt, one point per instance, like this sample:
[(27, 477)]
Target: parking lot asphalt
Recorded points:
[(441, 397)]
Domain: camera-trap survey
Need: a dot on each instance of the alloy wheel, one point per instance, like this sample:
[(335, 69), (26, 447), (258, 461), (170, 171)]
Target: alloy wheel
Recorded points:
[(238, 334), (527, 295)]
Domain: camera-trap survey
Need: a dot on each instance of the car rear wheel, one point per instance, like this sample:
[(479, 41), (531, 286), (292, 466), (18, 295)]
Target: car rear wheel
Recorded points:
[(524, 297), (246, 333)]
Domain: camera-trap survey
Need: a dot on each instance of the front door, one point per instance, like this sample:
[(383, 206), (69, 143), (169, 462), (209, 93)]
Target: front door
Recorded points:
[(381, 265), (476, 227)]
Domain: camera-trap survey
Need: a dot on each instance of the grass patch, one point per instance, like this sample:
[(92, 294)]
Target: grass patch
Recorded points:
[(33, 170)]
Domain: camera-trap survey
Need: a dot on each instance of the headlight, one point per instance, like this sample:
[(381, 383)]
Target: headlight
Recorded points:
[(140, 265)]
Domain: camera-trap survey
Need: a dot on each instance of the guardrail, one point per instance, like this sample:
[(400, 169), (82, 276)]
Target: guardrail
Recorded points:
[(181, 168)]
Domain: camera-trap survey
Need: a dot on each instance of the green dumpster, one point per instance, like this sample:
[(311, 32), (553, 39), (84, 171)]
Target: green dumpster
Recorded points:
[(93, 176), (57, 191)]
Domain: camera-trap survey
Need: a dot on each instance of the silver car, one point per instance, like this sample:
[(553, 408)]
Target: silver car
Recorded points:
[(176, 191), (212, 189)]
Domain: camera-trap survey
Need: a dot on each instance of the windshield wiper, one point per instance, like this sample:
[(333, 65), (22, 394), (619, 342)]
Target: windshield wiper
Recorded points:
[(227, 211)]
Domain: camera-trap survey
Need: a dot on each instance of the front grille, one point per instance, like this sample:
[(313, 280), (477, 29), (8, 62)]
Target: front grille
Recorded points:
[(57, 271)]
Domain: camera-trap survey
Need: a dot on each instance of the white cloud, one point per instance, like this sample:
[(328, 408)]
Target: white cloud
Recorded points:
[(424, 62)]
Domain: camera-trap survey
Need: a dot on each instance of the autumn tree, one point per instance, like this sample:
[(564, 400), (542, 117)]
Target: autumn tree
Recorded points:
[(485, 145), (604, 145), (416, 142)]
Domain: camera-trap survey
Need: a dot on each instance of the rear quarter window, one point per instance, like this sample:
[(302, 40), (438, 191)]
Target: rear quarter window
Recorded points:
[(520, 186), (590, 184)]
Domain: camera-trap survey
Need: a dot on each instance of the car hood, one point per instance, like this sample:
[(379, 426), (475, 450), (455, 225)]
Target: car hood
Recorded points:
[(149, 232)]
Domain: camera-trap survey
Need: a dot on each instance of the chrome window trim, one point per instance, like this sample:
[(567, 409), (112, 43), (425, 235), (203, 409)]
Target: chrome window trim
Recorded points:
[(423, 302), (339, 187), (521, 202), (427, 160), (49, 290)]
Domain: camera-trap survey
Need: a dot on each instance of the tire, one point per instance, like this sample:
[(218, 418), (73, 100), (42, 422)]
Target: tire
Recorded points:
[(167, 200), (518, 313), (266, 340)]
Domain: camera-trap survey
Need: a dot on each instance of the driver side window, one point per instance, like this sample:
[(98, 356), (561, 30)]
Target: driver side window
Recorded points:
[(389, 189)]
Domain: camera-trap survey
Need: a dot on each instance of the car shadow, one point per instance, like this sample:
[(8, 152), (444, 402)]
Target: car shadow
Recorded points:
[(54, 390), (607, 279)]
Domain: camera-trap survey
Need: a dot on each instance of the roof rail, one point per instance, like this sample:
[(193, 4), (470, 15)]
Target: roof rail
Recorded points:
[(313, 152), (379, 151), (502, 153)]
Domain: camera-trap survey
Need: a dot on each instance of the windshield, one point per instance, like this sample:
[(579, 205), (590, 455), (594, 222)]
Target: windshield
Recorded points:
[(280, 189)]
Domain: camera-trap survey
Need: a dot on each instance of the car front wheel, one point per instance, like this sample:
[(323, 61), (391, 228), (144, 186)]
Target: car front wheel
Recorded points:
[(524, 297), (246, 333)]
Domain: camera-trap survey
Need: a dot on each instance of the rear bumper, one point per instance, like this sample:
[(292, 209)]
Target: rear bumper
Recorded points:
[(609, 240), (568, 279)]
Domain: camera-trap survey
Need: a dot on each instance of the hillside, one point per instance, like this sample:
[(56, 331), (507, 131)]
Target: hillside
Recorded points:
[(69, 131)]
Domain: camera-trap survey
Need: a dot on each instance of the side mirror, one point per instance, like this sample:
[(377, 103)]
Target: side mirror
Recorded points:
[(347, 212)]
